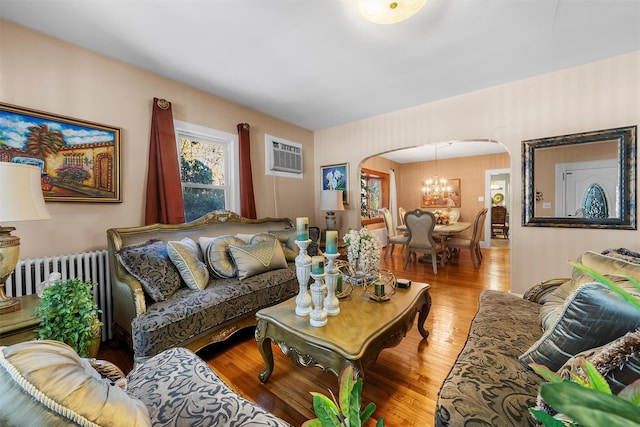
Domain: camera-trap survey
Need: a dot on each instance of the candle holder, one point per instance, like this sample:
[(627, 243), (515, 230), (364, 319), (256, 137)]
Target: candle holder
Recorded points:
[(318, 316), (331, 303), (382, 285), (303, 270), (344, 285)]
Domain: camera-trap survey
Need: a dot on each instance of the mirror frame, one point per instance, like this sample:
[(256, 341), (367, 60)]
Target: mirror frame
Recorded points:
[(625, 138)]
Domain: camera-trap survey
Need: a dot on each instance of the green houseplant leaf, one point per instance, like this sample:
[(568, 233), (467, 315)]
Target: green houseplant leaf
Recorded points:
[(346, 413), (589, 407)]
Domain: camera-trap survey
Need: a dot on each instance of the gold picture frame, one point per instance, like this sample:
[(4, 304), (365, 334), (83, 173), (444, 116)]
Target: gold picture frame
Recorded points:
[(79, 160)]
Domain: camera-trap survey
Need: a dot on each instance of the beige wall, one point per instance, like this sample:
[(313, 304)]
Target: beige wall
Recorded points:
[(43, 73), (600, 95)]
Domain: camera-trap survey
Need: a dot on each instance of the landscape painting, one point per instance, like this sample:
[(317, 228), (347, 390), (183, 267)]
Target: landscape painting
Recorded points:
[(79, 161)]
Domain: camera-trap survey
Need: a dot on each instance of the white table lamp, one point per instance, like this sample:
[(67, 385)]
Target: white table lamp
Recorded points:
[(20, 200), (331, 201)]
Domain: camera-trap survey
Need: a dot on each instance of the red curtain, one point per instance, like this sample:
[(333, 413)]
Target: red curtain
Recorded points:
[(164, 191), (247, 200)]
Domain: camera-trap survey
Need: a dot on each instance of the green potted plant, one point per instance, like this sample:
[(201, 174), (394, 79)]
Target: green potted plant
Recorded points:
[(69, 314), (346, 412)]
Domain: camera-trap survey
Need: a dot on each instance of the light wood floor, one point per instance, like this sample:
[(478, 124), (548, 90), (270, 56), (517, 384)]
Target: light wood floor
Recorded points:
[(403, 382)]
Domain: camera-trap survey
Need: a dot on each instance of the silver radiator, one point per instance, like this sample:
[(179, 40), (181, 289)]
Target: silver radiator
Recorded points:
[(85, 266)]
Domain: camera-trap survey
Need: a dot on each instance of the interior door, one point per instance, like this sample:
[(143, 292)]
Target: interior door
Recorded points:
[(576, 179)]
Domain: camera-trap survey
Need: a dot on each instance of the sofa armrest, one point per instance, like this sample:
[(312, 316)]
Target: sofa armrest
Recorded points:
[(539, 292)]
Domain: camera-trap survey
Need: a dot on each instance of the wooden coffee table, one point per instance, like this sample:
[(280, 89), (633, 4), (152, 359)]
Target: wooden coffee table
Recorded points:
[(354, 337)]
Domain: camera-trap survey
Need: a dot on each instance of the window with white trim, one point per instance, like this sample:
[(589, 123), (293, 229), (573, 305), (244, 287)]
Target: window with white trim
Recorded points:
[(209, 169)]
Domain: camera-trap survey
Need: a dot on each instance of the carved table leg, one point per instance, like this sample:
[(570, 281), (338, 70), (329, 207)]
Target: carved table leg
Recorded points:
[(424, 312), (264, 345)]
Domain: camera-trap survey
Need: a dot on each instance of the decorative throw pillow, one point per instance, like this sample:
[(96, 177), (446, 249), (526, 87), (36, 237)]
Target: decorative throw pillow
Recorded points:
[(246, 238), (610, 265), (216, 252), (149, 263), (618, 361), (592, 316), (187, 258), (258, 258), (552, 307), (47, 383), (287, 237)]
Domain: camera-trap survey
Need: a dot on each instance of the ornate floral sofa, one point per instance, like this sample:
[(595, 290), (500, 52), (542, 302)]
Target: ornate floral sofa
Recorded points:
[(193, 284), (555, 322), (45, 383)]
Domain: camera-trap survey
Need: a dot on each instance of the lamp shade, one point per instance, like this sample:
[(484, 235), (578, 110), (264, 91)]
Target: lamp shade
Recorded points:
[(331, 200), (389, 11), (21, 193)]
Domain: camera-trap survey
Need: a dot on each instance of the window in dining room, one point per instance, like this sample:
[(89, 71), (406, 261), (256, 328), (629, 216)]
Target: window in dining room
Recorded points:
[(374, 192)]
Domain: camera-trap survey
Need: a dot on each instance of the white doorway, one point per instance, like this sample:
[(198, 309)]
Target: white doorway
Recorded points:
[(573, 181), (501, 192)]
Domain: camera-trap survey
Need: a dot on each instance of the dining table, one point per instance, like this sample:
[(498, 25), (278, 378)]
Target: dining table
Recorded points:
[(443, 232)]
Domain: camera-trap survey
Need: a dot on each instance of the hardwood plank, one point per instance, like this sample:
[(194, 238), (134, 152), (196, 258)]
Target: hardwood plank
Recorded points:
[(403, 382)]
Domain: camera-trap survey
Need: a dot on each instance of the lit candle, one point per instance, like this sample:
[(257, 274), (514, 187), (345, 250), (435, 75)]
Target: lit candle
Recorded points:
[(332, 242), (302, 228), (317, 264), (379, 289)]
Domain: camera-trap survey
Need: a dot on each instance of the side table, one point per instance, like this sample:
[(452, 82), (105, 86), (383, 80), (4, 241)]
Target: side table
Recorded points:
[(18, 326)]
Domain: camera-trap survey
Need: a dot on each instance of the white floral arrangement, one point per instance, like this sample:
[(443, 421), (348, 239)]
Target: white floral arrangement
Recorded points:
[(363, 249)]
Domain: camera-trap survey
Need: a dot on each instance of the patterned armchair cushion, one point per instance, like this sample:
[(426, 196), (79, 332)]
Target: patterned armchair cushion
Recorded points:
[(592, 316), (487, 385), (45, 383), (187, 258), (149, 262), (216, 252), (179, 389), (257, 258)]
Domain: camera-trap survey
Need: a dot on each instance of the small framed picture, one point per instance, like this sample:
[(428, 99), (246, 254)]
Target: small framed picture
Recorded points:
[(336, 177), (451, 199)]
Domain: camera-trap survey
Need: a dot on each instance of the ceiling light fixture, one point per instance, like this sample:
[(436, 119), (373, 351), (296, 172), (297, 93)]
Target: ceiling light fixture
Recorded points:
[(389, 11), (436, 188)]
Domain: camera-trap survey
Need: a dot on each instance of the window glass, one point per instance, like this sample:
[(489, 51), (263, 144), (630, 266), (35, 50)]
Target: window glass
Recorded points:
[(208, 169)]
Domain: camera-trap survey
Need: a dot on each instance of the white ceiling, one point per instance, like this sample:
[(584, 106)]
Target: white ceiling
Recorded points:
[(318, 64)]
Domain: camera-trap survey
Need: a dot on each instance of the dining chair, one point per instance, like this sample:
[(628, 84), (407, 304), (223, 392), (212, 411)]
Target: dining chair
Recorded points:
[(499, 223), (420, 225), (393, 239), (455, 244), (401, 213)]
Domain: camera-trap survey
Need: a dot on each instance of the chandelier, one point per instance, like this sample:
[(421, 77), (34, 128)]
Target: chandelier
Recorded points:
[(389, 11), (436, 188)]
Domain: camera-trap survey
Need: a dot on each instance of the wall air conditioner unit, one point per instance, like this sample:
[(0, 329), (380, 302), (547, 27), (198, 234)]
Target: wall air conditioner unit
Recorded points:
[(282, 157)]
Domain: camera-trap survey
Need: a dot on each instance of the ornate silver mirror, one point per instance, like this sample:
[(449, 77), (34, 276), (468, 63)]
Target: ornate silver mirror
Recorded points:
[(581, 180)]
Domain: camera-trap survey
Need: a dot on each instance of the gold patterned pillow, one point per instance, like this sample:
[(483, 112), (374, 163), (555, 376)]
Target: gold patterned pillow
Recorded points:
[(187, 257), (216, 252), (287, 237), (258, 258)]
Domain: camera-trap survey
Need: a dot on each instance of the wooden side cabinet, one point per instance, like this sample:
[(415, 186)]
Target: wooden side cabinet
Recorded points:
[(18, 326)]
